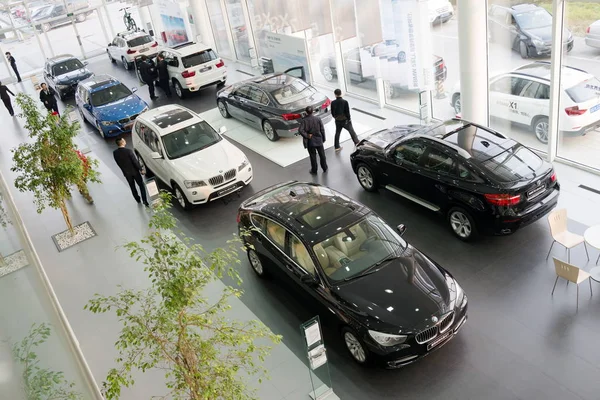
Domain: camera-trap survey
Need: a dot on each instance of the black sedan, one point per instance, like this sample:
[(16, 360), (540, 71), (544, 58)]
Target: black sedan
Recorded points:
[(390, 301), (274, 103), (64, 72), (479, 179)]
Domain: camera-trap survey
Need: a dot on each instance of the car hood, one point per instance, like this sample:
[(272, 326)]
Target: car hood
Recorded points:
[(402, 296), (123, 108), (208, 162), (73, 76), (545, 33)]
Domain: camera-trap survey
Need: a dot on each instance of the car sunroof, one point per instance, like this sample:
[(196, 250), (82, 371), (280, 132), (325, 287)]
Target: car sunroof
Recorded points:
[(171, 117)]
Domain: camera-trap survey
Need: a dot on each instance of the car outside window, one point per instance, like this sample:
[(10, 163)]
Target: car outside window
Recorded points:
[(585, 90), (543, 92), (531, 90), (409, 151), (502, 85), (139, 41), (517, 85), (190, 139), (199, 58), (440, 163), (110, 95), (299, 253), (535, 19), (66, 67)]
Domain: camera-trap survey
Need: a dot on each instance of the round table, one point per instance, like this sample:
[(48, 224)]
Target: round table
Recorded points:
[(592, 237), (595, 273)]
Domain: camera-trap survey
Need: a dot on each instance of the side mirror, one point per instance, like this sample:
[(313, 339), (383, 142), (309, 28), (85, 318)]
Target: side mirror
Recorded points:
[(401, 229), (85, 63), (155, 155), (87, 106), (133, 89), (110, 44), (309, 280), (222, 130)]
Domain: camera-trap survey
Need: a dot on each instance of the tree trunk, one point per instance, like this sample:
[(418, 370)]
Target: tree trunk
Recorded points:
[(65, 213)]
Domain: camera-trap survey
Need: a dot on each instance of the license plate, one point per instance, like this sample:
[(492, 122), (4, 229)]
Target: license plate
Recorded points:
[(227, 190), (439, 340), (205, 69), (595, 108), (536, 192), (144, 49)]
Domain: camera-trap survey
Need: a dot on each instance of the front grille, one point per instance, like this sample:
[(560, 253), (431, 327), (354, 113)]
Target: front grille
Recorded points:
[(426, 335), (229, 175), (446, 322), (216, 180), (133, 117), (124, 120)]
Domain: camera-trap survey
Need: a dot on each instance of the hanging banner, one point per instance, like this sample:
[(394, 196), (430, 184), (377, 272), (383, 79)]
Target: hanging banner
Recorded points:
[(284, 51), (174, 30)]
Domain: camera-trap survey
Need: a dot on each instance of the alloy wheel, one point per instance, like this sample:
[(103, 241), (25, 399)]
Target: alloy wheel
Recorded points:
[(388, 89), (460, 223), (365, 177), (457, 105), (255, 262), (222, 109), (269, 130), (125, 63), (541, 131), (327, 74), (355, 347), (100, 131), (179, 197), (178, 90)]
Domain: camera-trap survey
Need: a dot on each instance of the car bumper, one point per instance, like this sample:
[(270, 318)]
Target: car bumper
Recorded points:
[(290, 128), (206, 194), (546, 50), (580, 131), (116, 129), (409, 352), (193, 85)]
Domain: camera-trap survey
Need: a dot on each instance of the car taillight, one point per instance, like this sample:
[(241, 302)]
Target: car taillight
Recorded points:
[(220, 64), (188, 74), (130, 51), (503, 199), (326, 104), (239, 217), (587, 30), (574, 111), (441, 66), (553, 177), (291, 117), (155, 44)]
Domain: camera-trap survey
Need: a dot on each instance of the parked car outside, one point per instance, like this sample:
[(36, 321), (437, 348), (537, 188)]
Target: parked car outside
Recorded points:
[(50, 16), (108, 105), (528, 29), (592, 35), (62, 73), (127, 46), (274, 103), (193, 66), (189, 156), (440, 11), (391, 303), (478, 179), (522, 96)]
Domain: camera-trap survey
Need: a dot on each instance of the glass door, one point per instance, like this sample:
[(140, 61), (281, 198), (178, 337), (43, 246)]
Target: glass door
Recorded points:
[(219, 28), (239, 30)]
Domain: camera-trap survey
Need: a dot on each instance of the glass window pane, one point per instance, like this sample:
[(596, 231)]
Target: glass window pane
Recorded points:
[(239, 30), (219, 28)]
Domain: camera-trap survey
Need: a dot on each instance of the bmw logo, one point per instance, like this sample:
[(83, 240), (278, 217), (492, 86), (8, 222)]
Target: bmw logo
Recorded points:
[(434, 319)]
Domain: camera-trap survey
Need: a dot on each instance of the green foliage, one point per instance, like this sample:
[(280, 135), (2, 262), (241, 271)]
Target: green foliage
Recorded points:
[(4, 219), (41, 383), (174, 327), (578, 14), (48, 166)]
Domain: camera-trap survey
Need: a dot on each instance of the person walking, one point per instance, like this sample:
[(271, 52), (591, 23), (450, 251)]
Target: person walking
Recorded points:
[(149, 74), (4, 91), (312, 130), (47, 97), (130, 166), (340, 110), (163, 75), (13, 64)]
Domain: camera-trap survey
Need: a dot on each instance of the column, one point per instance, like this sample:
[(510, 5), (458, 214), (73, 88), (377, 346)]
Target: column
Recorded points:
[(201, 28), (473, 58), (146, 19)]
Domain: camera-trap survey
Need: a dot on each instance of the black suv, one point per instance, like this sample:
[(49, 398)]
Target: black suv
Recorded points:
[(63, 73), (479, 179), (390, 301), (527, 27)]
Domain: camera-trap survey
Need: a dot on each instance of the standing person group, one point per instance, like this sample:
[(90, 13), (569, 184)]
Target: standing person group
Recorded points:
[(48, 99), (149, 74), (312, 130), (340, 110), (4, 91), (130, 166), (13, 64), (163, 75)]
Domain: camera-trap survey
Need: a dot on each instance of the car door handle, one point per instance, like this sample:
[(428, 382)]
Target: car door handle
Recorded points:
[(289, 267)]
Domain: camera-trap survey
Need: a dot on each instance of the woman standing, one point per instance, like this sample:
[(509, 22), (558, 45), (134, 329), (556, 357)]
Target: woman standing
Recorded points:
[(4, 91)]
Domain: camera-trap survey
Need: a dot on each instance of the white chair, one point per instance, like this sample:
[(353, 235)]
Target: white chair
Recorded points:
[(572, 274), (558, 228)]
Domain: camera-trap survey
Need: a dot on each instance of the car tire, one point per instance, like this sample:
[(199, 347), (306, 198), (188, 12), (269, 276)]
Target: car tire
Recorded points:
[(46, 27), (270, 131), (100, 131), (222, 106), (125, 63), (180, 91), (355, 346), (327, 73), (366, 178), (462, 224), (540, 127), (456, 103), (149, 173), (181, 198), (256, 263), (389, 90), (523, 50), (61, 96)]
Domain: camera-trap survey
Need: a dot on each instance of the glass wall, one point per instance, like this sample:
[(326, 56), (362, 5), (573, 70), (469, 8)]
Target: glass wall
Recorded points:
[(219, 28), (239, 29)]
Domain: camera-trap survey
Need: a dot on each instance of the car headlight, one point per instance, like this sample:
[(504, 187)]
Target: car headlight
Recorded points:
[(107, 123), (243, 164), (537, 42), (62, 86), (193, 184), (461, 298), (145, 109), (386, 339)]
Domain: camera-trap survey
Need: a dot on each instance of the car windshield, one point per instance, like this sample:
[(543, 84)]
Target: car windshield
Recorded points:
[(138, 41), (514, 164), (585, 90), (44, 11), (296, 90), (358, 247), (110, 95), (190, 139), (66, 66), (198, 58), (539, 18)]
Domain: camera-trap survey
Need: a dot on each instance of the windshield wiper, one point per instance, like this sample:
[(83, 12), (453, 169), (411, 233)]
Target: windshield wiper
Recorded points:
[(372, 269)]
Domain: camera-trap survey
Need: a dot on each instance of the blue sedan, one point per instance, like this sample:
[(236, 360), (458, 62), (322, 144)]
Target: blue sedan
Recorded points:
[(108, 104)]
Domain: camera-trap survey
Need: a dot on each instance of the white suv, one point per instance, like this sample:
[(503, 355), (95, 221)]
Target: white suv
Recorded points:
[(187, 154), (193, 66), (523, 96), (127, 46)]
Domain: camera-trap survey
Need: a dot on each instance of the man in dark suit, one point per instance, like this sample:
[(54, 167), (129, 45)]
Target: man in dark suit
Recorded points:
[(163, 75), (13, 64), (47, 97), (312, 130), (148, 73), (130, 166), (340, 110)]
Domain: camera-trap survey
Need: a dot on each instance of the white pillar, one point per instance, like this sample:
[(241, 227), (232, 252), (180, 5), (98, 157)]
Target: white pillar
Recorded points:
[(473, 59), (145, 18), (558, 12), (201, 28)]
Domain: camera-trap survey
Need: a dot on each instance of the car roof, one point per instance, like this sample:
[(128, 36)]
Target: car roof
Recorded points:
[(169, 118), (97, 82), (271, 82), (312, 211), (524, 7), (60, 58), (131, 34), (185, 49), (542, 70)]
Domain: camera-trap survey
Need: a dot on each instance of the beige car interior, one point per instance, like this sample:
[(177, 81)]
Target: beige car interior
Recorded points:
[(276, 233), (341, 249)]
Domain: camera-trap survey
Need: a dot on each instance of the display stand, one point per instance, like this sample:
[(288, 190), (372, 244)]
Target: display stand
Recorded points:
[(424, 109), (317, 361), (152, 190)]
